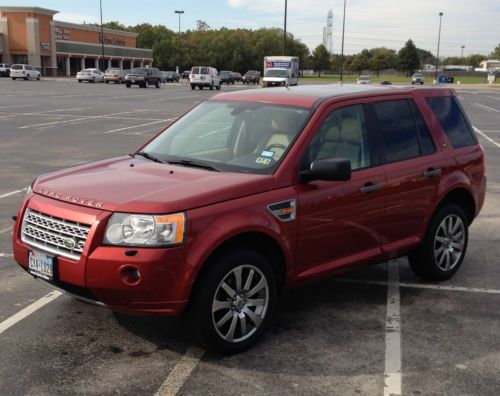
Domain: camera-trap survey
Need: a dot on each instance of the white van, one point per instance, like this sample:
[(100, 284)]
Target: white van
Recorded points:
[(24, 71), (204, 76)]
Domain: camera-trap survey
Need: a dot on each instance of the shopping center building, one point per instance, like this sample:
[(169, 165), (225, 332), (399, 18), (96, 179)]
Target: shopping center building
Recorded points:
[(31, 35)]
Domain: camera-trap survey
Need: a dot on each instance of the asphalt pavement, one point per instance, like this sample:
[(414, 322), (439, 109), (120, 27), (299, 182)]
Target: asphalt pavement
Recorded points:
[(371, 332)]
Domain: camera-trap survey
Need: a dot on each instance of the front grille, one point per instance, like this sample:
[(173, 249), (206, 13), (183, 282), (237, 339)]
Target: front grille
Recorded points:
[(53, 234)]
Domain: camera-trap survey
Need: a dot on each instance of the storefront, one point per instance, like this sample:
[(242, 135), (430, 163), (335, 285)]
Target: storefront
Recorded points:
[(30, 35)]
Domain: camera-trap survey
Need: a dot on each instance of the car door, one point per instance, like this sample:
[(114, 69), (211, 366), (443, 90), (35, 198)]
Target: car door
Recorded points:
[(340, 222), (414, 168)]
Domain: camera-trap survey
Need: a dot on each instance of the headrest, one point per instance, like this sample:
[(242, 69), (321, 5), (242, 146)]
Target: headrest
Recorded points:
[(351, 130), (332, 134)]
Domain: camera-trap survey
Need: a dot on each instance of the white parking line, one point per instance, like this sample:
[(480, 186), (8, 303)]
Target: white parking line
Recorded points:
[(9, 322), (12, 193), (486, 137), (5, 230), (8, 255), (138, 126), (81, 118), (392, 377), (487, 108), (180, 373), (493, 97), (16, 106)]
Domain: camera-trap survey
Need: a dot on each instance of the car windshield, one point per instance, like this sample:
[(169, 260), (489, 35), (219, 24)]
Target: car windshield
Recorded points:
[(275, 73), (243, 137), (139, 71)]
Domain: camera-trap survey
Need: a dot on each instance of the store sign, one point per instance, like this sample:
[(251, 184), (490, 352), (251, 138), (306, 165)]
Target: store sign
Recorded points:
[(62, 33), (44, 46), (112, 40)]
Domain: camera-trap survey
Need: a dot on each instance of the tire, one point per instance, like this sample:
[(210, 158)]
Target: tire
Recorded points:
[(212, 86), (128, 85), (445, 244), (218, 87), (14, 78), (223, 314), (157, 84), (79, 81), (192, 87), (107, 82), (26, 78), (200, 87), (38, 77)]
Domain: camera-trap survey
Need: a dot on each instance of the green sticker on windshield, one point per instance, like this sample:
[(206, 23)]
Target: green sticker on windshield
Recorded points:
[(263, 161)]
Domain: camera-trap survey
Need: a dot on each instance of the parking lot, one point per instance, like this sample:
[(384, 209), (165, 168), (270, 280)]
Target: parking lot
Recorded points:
[(377, 331)]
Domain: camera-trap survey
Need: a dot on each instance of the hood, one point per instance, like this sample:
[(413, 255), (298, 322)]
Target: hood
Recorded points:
[(146, 187)]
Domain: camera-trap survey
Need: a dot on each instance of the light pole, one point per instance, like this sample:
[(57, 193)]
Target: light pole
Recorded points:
[(102, 35), (342, 51), (439, 41), (179, 52), (284, 32), (462, 56)]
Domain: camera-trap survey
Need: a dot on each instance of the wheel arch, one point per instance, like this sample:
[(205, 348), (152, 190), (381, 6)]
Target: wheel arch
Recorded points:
[(462, 197)]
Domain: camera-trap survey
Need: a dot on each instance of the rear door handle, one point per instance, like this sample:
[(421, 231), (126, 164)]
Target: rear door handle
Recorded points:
[(431, 172), (370, 187)]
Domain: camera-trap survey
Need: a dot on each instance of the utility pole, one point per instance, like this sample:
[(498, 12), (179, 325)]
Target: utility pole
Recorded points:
[(342, 51), (462, 56), (284, 31), (179, 52), (439, 40), (102, 36)]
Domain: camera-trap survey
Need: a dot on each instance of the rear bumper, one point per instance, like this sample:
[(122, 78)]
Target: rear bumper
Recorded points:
[(99, 276)]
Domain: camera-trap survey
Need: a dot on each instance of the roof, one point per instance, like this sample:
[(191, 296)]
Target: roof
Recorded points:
[(35, 10), (309, 95)]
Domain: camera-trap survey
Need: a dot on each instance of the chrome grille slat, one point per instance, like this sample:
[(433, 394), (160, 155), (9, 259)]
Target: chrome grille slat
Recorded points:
[(49, 233)]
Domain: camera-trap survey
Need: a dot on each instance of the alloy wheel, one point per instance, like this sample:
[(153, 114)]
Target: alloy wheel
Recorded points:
[(449, 242)]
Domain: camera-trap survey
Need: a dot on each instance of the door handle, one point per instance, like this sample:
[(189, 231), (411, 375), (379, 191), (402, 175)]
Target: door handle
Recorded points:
[(370, 187), (431, 172)]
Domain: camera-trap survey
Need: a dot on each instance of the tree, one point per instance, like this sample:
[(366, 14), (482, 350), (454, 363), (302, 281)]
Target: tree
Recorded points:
[(408, 60), (426, 57), (321, 59), (382, 58), (496, 52), (202, 25), (359, 63)]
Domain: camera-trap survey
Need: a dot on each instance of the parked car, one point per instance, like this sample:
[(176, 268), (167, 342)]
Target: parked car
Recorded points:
[(4, 70), (171, 76), (115, 75), (254, 192), (385, 82), (417, 78), (185, 74), (226, 77), (91, 75), (251, 76), (24, 71), (237, 77), (143, 77), (204, 76), (363, 80)]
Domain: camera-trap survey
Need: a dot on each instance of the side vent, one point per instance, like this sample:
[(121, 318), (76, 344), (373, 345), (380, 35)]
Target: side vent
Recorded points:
[(284, 210)]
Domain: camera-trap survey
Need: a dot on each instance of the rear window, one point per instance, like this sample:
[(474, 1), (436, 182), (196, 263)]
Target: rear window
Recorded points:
[(204, 70), (17, 67), (452, 119)]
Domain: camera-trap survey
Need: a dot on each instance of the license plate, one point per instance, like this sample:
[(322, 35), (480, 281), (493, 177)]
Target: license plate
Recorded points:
[(41, 265), (132, 81)]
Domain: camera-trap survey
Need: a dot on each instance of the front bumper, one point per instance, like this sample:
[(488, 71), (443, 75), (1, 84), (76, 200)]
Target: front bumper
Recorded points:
[(99, 275)]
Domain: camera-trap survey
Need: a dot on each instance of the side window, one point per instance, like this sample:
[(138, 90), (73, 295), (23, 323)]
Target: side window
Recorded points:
[(453, 121), (426, 143), (394, 124), (342, 135)]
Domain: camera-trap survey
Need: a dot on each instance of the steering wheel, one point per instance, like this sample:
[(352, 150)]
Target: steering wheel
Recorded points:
[(276, 145)]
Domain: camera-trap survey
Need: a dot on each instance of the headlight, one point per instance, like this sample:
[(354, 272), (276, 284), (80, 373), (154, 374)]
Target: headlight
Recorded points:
[(145, 230)]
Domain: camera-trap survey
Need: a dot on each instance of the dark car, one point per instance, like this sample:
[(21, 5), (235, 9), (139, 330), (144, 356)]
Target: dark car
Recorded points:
[(237, 77), (4, 70), (251, 76), (254, 192), (226, 77), (171, 76), (143, 76), (185, 74)]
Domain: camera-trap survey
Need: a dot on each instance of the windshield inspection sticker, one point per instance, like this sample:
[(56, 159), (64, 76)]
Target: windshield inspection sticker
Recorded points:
[(263, 161), (266, 153)]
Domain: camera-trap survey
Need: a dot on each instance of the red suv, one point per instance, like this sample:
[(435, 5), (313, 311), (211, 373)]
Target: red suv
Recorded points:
[(253, 192)]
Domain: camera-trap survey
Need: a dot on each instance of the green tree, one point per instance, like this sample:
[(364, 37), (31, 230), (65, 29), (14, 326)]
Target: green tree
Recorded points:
[(426, 57), (408, 59), (321, 59), (496, 52), (382, 58), (202, 25), (359, 63)]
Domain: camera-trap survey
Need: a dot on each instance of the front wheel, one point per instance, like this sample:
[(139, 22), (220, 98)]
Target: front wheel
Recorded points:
[(234, 302), (444, 246), (157, 85), (193, 87)]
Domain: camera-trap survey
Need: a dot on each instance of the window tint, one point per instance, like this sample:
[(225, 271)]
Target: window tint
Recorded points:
[(196, 70), (204, 70), (453, 121), (426, 143), (342, 135), (394, 124)]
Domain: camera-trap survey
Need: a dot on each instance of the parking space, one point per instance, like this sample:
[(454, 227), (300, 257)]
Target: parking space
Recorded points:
[(376, 331)]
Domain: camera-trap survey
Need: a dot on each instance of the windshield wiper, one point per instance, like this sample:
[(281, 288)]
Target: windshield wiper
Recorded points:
[(194, 164), (149, 157)]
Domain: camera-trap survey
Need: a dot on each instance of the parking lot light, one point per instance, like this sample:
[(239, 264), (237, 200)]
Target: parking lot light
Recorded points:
[(439, 40), (179, 52)]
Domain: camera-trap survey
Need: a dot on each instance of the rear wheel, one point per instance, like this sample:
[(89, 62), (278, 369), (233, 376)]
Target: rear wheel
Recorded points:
[(218, 87), (234, 302), (107, 81), (212, 86), (192, 87), (14, 78), (128, 85), (157, 84), (444, 246), (26, 78)]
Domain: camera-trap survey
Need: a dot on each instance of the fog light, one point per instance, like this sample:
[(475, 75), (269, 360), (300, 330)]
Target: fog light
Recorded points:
[(130, 275)]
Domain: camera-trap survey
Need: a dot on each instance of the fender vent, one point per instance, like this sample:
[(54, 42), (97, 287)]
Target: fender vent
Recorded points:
[(283, 210)]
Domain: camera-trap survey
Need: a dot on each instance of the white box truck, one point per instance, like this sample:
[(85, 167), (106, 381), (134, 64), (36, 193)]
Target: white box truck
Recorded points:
[(281, 70)]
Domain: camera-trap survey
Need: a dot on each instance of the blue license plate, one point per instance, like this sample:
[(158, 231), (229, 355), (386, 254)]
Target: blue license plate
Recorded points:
[(41, 265)]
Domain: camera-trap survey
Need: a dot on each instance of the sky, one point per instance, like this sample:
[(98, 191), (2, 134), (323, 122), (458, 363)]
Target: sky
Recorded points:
[(369, 23)]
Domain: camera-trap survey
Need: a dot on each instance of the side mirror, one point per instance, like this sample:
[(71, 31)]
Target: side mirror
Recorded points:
[(327, 169)]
